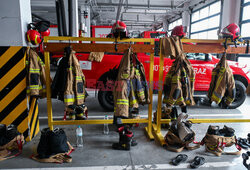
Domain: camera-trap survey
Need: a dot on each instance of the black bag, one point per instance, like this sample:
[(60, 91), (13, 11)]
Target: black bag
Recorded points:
[(58, 141), (52, 142), (7, 133)]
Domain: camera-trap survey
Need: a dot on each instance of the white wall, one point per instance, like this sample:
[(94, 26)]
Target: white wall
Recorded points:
[(230, 12), (15, 15)]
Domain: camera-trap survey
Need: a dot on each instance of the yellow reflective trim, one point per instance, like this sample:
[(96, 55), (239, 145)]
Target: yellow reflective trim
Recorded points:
[(28, 38), (80, 96), (137, 72), (122, 100), (170, 101), (123, 103), (36, 40), (133, 101), (180, 99), (69, 100), (34, 70), (215, 98), (218, 82), (125, 76), (229, 99)]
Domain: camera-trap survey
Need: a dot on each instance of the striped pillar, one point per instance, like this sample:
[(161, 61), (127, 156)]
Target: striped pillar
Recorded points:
[(13, 98)]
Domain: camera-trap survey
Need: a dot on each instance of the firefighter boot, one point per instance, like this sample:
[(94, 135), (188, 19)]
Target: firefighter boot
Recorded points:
[(70, 111), (80, 111), (124, 140), (133, 141)]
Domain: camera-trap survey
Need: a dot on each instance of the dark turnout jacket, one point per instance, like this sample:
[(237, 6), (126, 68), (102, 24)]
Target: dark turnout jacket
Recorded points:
[(69, 81)]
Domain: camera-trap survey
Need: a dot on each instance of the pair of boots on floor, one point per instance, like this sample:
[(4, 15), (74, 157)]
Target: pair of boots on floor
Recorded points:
[(125, 139)]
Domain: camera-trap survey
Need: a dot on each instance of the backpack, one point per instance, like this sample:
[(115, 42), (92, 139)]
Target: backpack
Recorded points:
[(53, 147)]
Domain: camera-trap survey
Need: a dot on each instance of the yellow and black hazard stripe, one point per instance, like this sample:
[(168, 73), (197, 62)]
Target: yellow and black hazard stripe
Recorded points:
[(33, 118), (13, 99)]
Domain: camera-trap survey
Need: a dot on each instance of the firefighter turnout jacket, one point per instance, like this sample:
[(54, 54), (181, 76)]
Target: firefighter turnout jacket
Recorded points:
[(36, 79), (69, 82), (75, 87), (222, 83), (131, 88), (179, 81)]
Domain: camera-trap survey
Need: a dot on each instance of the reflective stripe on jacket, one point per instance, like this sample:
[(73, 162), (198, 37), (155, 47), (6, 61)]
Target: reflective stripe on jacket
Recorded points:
[(222, 83), (130, 89), (75, 88), (36, 79)]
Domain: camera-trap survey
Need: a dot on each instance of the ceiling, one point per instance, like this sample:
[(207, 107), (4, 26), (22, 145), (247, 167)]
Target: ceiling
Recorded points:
[(137, 14)]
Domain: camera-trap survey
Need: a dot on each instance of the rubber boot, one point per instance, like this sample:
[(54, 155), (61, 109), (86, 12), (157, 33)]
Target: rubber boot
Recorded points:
[(124, 140), (133, 141), (80, 111)]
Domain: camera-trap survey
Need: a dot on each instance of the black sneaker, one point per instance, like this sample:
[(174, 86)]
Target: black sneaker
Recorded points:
[(243, 143)]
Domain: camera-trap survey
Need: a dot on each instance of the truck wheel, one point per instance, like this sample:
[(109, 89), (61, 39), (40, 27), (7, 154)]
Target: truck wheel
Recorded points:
[(105, 99), (240, 95)]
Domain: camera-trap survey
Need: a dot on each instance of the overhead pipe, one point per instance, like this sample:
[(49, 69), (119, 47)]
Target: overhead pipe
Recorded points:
[(135, 5), (59, 19), (64, 26), (119, 10), (70, 10)]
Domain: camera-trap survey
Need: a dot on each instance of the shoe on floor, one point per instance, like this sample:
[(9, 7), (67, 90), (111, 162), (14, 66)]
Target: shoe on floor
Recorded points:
[(179, 159), (197, 162)]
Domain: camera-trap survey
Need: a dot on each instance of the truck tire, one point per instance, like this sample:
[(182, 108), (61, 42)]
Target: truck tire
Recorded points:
[(105, 99), (240, 95)]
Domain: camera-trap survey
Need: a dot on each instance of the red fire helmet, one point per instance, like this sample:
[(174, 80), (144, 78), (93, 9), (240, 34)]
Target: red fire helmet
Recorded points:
[(231, 31), (34, 37), (178, 31), (45, 33)]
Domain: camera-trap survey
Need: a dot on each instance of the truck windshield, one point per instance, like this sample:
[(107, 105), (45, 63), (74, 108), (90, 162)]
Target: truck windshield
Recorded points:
[(157, 35), (198, 56)]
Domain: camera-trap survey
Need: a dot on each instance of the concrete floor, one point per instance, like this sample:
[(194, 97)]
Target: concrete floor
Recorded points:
[(97, 153)]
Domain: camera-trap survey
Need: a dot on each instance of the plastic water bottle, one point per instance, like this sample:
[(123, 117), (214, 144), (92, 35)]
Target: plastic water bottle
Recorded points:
[(106, 127), (79, 141)]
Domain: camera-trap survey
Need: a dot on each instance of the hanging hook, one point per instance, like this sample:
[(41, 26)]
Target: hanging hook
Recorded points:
[(116, 44), (225, 44)]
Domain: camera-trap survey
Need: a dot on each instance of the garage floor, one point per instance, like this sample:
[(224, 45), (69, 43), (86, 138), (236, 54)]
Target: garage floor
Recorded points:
[(97, 153)]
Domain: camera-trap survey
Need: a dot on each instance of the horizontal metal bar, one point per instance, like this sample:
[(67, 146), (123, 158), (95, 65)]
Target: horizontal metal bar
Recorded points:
[(47, 38), (203, 41), (87, 47), (135, 5), (212, 120), (97, 121)]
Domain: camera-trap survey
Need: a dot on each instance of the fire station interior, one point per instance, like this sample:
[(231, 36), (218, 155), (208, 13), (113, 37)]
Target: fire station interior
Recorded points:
[(178, 98)]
